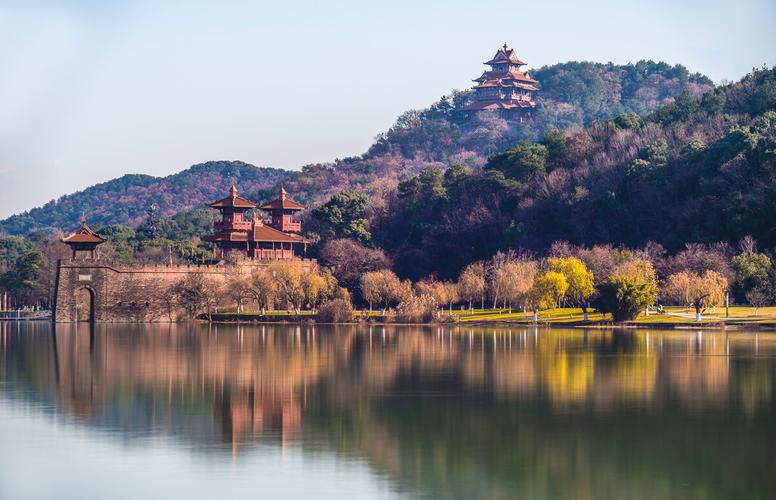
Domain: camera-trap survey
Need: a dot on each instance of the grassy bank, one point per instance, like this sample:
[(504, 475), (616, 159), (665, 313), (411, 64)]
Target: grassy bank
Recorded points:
[(671, 317)]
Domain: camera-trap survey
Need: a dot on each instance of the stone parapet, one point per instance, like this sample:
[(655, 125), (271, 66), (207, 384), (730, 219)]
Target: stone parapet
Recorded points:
[(141, 293)]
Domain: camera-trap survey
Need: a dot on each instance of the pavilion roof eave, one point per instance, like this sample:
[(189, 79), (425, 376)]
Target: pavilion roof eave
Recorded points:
[(83, 238), (83, 234), (516, 61), (281, 205), (493, 75), (267, 233), (230, 202)]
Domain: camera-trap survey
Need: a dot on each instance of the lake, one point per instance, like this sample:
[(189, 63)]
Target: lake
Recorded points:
[(194, 411)]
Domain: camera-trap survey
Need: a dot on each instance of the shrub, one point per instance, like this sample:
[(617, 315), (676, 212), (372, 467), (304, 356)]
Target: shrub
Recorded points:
[(624, 297), (389, 316), (447, 318), (335, 311), (417, 309)]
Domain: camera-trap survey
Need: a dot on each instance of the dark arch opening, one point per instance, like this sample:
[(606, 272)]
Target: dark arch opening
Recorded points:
[(84, 305)]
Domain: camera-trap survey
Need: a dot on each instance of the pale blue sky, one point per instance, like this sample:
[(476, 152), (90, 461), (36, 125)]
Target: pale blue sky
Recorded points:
[(95, 89)]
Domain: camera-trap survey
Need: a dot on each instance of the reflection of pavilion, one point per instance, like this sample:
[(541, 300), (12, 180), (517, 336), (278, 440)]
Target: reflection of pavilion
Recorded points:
[(205, 386)]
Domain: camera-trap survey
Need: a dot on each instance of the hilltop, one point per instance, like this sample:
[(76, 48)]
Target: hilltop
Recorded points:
[(701, 169), (573, 95)]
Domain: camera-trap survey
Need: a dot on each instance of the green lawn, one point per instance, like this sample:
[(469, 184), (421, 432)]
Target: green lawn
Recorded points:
[(560, 315), (738, 315), (266, 313)]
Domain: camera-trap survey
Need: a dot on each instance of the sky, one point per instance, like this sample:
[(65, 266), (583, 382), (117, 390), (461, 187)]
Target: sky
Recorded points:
[(96, 89)]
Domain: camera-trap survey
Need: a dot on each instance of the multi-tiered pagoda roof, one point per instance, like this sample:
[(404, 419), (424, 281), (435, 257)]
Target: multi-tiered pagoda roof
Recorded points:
[(505, 86)]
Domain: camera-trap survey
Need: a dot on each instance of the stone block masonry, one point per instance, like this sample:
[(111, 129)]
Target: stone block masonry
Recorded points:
[(130, 293)]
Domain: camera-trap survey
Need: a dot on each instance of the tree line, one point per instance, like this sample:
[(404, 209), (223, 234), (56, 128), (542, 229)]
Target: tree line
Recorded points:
[(616, 280)]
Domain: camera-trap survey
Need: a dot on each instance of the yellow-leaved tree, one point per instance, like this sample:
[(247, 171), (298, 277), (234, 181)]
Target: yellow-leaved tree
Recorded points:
[(548, 288), (579, 279)]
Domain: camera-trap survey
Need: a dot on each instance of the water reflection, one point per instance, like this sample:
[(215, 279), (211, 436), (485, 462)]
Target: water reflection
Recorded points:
[(440, 411)]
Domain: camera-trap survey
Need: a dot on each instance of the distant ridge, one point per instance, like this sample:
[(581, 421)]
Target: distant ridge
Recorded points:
[(126, 199)]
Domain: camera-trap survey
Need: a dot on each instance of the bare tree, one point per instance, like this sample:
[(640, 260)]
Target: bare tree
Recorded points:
[(196, 294), (700, 292), (384, 288), (757, 298), (349, 259), (472, 285)]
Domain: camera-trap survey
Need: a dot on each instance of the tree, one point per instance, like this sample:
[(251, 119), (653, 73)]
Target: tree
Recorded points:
[(263, 288), (752, 273), (417, 309), (344, 216), (757, 299), (557, 147), (509, 276), (319, 285), (698, 291), (444, 292), (523, 162), (624, 297), (547, 289), (629, 289), (22, 277), (451, 294), (641, 271), (288, 279), (196, 294), (698, 258), (471, 284), (517, 278), (579, 279), (383, 288), (603, 260), (349, 259), (238, 287)]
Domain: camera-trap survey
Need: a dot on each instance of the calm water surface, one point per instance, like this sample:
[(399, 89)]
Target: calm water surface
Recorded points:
[(191, 411)]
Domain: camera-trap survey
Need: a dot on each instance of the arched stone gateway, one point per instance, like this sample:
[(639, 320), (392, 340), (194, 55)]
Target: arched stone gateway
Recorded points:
[(84, 304)]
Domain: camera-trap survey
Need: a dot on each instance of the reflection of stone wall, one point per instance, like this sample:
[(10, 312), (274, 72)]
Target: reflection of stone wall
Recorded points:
[(245, 386)]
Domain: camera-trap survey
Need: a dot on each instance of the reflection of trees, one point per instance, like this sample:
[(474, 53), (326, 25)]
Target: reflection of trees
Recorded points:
[(461, 412)]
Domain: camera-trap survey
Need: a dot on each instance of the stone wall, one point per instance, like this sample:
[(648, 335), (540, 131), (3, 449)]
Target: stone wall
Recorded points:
[(131, 293)]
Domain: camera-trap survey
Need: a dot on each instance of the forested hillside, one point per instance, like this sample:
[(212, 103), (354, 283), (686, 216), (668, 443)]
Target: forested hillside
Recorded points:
[(573, 94), (701, 169)]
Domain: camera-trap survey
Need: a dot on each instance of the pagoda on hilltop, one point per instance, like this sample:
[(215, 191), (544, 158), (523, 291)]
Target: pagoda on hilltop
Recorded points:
[(237, 233), (505, 88), (83, 242)]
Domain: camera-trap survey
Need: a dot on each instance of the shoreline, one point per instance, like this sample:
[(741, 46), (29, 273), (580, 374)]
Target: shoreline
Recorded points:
[(664, 325), (732, 324)]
